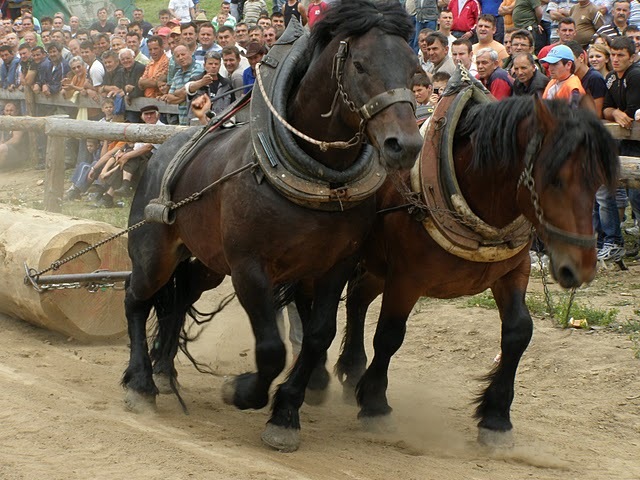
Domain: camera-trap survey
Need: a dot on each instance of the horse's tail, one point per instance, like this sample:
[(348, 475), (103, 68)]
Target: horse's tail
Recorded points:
[(172, 304)]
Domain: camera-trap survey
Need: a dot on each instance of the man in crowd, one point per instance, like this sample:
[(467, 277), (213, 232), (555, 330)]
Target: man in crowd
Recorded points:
[(438, 52), (592, 81), (633, 32), (187, 70), (233, 66), (133, 43), (494, 78), (588, 20), (207, 38), (621, 13), (255, 52), (564, 84), (527, 15), (485, 30), (445, 20), (59, 69), (465, 17), (242, 34), (155, 73), (521, 42), (461, 53), (621, 103), (529, 80), (270, 34), (96, 69), (566, 33), (132, 71), (426, 16), (138, 16), (103, 25), (9, 71), (127, 163)]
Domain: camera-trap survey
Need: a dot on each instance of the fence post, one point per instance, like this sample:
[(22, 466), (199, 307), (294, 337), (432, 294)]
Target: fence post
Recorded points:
[(54, 176)]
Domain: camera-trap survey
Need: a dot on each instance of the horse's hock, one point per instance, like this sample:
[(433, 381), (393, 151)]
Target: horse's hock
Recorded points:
[(39, 238)]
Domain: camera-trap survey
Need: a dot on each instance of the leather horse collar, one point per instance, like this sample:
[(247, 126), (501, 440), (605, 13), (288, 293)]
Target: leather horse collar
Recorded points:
[(451, 222), (296, 175)]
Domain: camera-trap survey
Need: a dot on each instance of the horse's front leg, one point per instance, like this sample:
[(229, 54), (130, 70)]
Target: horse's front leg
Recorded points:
[(494, 404), (255, 293), (283, 428), (400, 295)]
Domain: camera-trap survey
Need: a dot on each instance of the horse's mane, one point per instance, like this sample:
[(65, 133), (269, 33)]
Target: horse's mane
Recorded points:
[(356, 17), (493, 130)]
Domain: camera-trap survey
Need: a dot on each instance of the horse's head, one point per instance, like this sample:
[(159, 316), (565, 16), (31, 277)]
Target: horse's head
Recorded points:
[(568, 157), (372, 70), (383, 94)]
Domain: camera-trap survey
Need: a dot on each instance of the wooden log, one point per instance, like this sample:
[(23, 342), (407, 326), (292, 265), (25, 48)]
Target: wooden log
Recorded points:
[(39, 238), (630, 172), (620, 133)]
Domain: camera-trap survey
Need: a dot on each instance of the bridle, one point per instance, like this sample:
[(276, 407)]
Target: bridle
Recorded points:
[(366, 112), (526, 179)]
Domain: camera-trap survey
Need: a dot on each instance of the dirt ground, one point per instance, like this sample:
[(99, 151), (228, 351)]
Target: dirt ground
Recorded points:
[(576, 411)]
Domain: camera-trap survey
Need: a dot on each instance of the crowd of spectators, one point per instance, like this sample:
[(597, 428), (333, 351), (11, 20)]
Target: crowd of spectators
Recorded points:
[(201, 62), (557, 50)]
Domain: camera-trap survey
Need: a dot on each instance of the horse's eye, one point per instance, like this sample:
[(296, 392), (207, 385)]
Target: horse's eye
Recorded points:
[(359, 67)]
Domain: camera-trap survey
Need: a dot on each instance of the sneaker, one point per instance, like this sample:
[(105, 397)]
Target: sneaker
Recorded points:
[(105, 201), (634, 231), (610, 252), (72, 194)]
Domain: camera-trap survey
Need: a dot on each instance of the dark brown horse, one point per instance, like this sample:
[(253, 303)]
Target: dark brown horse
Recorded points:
[(571, 156), (246, 229)]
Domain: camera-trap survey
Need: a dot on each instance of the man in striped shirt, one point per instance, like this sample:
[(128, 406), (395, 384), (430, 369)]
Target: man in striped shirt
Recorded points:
[(621, 13)]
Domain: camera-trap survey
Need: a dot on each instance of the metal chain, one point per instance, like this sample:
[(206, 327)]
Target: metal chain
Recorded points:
[(324, 146), (191, 198)]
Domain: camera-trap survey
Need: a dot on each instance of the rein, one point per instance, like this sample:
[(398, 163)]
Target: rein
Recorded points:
[(526, 179), (366, 112)]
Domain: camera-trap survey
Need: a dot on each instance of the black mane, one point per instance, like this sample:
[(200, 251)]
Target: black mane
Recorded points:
[(357, 17), (493, 131)]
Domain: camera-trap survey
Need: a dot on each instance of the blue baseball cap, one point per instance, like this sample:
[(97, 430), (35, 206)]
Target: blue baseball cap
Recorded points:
[(557, 53)]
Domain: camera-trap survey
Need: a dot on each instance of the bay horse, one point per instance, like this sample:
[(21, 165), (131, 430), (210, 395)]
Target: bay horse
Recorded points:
[(246, 229), (570, 155)]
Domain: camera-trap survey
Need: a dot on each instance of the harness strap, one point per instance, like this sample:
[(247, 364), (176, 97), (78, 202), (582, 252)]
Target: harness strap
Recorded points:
[(386, 99)]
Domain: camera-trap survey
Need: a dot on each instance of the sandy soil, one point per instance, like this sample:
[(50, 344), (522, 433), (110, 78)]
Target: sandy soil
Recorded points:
[(576, 411)]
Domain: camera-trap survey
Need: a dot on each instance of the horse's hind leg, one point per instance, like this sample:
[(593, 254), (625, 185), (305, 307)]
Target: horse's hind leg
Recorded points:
[(283, 428), (189, 281), (141, 391), (255, 293), (363, 288), (494, 404)]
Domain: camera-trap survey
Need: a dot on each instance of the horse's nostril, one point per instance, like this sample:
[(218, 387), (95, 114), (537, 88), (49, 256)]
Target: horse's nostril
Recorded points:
[(392, 145), (567, 277)]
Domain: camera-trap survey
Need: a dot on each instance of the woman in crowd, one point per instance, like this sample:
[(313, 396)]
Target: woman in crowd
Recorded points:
[(599, 58)]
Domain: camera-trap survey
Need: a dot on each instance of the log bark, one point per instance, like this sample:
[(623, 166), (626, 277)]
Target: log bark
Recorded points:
[(630, 172), (39, 238)]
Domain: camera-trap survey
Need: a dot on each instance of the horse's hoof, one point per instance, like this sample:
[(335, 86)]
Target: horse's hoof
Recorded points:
[(378, 424), (315, 397), (163, 383), (495, 439), (139, 403), (281, 438)]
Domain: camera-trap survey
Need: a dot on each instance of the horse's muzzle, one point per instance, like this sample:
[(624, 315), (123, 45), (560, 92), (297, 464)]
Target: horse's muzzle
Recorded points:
[(401, 152)]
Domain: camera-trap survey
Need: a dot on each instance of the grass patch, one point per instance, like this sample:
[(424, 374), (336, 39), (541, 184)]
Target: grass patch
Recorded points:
[(538, 307), (482, 300)]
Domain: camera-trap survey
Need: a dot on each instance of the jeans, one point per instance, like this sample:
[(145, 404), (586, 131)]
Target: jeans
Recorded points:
[(432, 24), (634, 199), (606, 220)]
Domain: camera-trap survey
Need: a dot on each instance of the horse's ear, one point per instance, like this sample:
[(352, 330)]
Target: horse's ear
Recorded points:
[(588, 103), (544, 117)]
